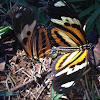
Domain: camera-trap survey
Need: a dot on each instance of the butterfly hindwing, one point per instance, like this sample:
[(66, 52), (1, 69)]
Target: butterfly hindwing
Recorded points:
[(30, 32), (68, 68), (43, 43), (65, 28)]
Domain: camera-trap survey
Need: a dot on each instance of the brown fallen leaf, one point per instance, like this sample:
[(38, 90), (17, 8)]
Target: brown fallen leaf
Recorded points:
[(94, 56), (2, 64), (97, 52)]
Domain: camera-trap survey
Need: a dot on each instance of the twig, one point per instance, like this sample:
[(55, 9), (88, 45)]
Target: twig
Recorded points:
[(20, 86), (26, 74), (96, 88), (46, 83), (40, 69), (87, 96), (8, 79), (18, 70), (87, 71), (32, 95), (87, 86)]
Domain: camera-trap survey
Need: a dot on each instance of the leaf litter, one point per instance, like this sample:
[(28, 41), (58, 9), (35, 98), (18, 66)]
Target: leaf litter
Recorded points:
[(33, 80)]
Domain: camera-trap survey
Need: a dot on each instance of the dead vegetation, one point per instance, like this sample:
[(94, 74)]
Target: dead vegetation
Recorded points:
[(32, 80)]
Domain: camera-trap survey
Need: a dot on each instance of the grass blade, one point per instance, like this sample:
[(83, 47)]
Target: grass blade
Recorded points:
[(93, 18), (74, 0), (86, 11), (57, 96), (52, 92), (6, 93)]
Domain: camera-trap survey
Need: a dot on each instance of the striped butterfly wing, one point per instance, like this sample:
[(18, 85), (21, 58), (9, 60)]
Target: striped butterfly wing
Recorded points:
[(43, 43), (30, 33), (65, 29), (68, 69)]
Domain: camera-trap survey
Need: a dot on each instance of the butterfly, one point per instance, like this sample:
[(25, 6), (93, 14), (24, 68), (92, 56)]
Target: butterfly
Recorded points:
[(30, 32), (66, 31)]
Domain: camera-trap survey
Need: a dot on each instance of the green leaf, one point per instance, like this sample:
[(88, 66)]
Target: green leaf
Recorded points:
[(74, 0), (6, 93), (87, 33), (86, 11), (93, 18), (98, 26), (44, 19), (54, 55), (5, 1), (99, 57), (4, 29), (52, 92), (20, 1), (33, 8), (98, 97), (57, 96), (41, 16), (77, 7)]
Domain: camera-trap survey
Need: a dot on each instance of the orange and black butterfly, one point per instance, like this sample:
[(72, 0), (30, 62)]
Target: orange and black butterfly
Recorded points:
[(66, 31), (32, 35)]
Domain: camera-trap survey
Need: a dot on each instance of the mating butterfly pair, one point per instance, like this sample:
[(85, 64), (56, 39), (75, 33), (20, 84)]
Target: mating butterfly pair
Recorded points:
[(65, 30)]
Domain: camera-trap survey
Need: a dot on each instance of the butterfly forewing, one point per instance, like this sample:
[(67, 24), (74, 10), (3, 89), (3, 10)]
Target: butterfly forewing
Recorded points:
[(65, 28), (30, 32), (68, 69)]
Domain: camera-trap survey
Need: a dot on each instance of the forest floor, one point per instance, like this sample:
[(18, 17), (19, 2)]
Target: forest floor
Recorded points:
[(32, 80)]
